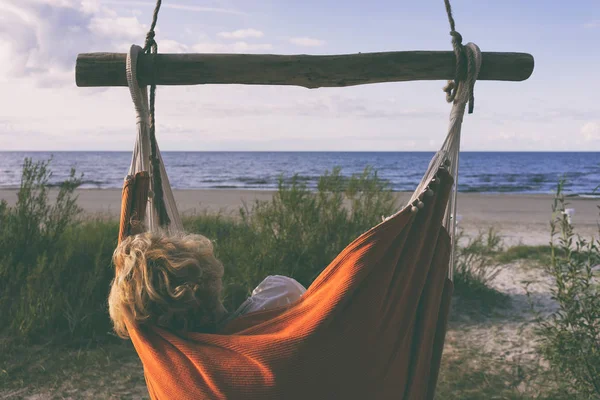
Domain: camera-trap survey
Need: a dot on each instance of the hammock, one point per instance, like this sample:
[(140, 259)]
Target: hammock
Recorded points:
[(373, 323), (371, 326)]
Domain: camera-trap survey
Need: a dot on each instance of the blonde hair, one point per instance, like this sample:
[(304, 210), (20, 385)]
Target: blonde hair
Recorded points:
[(172, 281)]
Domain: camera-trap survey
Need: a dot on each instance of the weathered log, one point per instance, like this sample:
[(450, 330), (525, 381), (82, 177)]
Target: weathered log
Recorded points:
[(108, 69)]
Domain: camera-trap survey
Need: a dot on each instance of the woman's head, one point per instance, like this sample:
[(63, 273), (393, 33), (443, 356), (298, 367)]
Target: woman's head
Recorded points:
[(172, 281)]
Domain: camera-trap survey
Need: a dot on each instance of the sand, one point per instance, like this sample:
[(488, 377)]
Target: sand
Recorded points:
[(519, 218)]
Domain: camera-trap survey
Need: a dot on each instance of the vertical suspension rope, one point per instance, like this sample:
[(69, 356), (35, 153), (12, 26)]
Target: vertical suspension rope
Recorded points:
[(459, 53), (151, 47), (466, 76)]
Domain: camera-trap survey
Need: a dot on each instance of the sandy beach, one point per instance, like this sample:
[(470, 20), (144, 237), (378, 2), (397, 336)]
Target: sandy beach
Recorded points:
[(519, 218)]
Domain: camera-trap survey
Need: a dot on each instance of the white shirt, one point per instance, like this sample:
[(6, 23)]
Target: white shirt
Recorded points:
[(274, 291)]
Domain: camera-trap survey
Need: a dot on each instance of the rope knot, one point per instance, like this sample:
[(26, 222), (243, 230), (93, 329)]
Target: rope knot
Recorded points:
[(456, 38), (151, 47), (461, 74), (450, 91), (150, 42)]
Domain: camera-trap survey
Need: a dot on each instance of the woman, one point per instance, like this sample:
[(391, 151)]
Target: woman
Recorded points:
[(175, 282)]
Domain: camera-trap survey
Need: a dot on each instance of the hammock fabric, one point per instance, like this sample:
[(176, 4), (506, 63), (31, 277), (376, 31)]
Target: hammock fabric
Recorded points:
[(134, 201), (371, 326)]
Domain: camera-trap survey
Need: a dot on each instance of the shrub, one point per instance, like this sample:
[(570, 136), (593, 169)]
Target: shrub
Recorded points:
[(569, 339), (474, 270), (55, 268), (298, 232)]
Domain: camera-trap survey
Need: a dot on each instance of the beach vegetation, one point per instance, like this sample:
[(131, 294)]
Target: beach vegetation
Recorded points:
[(475, 268), (54, 269), (569, 338), (55, 273), (540, 255), (55, 265)]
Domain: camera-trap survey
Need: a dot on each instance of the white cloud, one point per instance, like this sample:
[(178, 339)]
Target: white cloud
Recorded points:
[(237, 47), (122, 27), (306, 42), (40, 39), (242, 34), (591, 131), (592, 24), (172, 46), (174, 6)]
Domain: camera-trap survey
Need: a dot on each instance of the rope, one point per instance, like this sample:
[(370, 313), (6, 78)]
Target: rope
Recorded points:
[(150, 42), (151, 47), (465, 95), (459, 52)]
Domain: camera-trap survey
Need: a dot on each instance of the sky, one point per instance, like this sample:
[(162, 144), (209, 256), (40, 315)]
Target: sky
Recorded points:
[(556, 109)]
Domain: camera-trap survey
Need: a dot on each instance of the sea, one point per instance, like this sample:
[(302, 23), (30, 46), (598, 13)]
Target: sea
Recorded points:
[(481, 172)]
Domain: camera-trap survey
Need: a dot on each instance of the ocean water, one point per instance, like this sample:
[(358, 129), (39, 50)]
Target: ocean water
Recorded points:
[(485, 172)]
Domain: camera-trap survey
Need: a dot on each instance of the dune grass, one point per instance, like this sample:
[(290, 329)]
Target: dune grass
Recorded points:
[(570, 337), (47, 371), (55, 271), (55, 266), (540, 255), (471, 373), (475, 268), (113, 370)]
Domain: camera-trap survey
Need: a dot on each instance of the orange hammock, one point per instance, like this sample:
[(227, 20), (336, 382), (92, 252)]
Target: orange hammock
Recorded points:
[(371, 326)]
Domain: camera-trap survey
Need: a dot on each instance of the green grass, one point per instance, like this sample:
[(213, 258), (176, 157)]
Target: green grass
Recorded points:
[(473, 375), (470, 373), (113, 370), (474, 270), (55, 266), (49, 371), (55, 271), (541, 255), (570, 337)]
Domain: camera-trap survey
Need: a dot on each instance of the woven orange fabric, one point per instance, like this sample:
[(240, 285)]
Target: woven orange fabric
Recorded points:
[(133, 203), (371, 326)]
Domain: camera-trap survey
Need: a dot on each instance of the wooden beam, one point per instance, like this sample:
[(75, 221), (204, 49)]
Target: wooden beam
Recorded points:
[(108, 69)]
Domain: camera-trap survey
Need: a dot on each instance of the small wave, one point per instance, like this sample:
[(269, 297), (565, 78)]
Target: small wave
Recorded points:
[(255, 181), (93, 182), (538, 178), (85, 184)]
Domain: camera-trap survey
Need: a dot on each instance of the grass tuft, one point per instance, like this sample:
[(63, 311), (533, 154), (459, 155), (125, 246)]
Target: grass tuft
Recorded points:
[(474, 271), (541, 255)]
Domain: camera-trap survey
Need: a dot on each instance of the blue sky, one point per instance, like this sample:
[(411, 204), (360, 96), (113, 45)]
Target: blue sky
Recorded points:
[(556, 109)]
